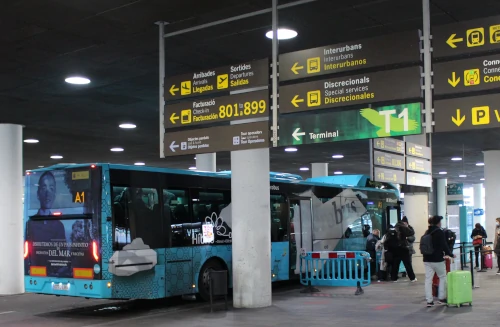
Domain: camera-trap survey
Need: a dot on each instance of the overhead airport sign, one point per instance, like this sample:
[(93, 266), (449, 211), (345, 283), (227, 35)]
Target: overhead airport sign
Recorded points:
[(468, 37), (469, 113), (212, 110), (375, 52), (400, 84), (417, 179), (228, 78), (389, 160), (389, 175), (214, 139), (417, 150), (388, 144), (475, 74), (419, 165), (396, 120)]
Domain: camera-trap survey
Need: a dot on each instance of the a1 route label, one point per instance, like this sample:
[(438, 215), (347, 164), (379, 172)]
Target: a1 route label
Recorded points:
[(374, 52), (212, 110), (228, 78), (396, 120), (469, 75), (399, 84), (469, 113), (215, 139), (467, 37)]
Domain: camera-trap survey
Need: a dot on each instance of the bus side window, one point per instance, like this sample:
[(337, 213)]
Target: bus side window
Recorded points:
[(176, 216), (279, 218)]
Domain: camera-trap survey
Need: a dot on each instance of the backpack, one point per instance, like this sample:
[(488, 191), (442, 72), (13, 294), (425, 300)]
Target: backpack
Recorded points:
[(391, 239), (451, 238), (426, 246)]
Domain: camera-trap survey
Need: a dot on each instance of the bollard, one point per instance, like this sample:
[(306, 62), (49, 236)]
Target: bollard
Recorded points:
[(471, 268), (359, 290), (462, 258)]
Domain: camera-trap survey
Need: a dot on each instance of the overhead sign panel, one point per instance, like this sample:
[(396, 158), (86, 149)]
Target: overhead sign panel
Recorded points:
[(475, 74), (388, 160), (420, 165), (212, 110), (375, 52), (388, 85), (388, 144), (387, 175), (417, 179), (336, 126), (468, 37), (215, 139), (228, 78), (417, 150), (470, 113)]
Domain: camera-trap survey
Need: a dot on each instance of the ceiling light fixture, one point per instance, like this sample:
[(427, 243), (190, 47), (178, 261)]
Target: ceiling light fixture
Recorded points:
[(283, 34), (78, 80), (192, 168), (304, 168), (480, 164), (482, 179), (117, 149), (456, 159), (56, 156), (338, 156), (139, 164), (290, 149), (337, 173), (32, 141), (443, 173), (41, 166), (127, 126), (462, 176)]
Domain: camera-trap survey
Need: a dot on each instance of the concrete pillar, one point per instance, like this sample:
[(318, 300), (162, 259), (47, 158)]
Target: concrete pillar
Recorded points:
[(478, 202), (206, 162), (11, 192), (492, 190), (442, 198), (319, 169), (251, 226), (417, 211)]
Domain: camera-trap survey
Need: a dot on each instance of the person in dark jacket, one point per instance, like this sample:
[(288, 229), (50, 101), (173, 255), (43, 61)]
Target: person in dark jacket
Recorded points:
[(434, 263), (398, 246), (478, 233), (496, 243), (410, 239), (371, 241)]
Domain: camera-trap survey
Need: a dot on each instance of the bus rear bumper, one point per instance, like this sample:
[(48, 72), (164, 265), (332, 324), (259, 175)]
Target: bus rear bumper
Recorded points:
[(98, 289)]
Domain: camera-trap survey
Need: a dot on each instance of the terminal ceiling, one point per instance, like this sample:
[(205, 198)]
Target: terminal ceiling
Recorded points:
[(115, 44)]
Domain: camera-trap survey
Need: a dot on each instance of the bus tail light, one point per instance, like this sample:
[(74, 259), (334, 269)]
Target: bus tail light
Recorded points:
[(26, 249), (95, 251)]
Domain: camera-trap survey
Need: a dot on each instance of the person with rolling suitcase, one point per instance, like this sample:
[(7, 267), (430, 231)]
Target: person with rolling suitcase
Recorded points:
[(496, 244), (434, 248)]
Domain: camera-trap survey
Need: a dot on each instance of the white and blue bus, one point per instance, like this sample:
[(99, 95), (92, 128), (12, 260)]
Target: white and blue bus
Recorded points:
[(125, 232)]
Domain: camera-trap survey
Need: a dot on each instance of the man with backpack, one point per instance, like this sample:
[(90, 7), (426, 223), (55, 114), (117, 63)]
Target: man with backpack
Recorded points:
[(398, 250), (434, 248)]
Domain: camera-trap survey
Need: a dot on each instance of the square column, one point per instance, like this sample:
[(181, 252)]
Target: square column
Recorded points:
[(492, 190), (206, 162), (319, 169)]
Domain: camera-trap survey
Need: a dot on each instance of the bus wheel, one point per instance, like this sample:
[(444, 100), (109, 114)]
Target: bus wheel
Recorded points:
[(203, 279)]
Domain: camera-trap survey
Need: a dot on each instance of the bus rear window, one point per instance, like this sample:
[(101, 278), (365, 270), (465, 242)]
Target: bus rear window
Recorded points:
[(59, 192)]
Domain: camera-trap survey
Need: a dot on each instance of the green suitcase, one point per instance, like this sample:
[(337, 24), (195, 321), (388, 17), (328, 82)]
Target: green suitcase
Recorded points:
[(459, 288)]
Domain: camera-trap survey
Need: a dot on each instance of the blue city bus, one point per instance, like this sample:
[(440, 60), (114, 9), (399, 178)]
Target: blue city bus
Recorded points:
[(125, 232)]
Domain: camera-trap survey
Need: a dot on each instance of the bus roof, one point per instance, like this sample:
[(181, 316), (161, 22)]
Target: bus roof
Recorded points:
[(342, 181)]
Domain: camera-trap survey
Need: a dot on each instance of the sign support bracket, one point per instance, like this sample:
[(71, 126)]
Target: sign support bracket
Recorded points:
[(427, 65), (275, 72), (161, 26)]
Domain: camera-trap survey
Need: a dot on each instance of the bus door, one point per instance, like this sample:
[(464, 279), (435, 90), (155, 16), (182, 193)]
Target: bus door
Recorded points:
[(301, 240), (393, 214)]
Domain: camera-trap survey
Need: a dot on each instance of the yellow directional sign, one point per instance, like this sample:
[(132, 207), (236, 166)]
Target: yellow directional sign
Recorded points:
[(469, 113), (454, 80), (174, 118), (314, 98), (173, 89), (459, 119), (467, 37), (472, 77), (295, 68), (296, 100), (186, 88)]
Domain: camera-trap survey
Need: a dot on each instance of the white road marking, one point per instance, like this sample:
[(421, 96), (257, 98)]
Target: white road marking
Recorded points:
[(6, 312)]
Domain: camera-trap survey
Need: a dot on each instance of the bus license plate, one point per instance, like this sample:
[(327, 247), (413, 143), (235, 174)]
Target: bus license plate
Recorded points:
[(60, 287)]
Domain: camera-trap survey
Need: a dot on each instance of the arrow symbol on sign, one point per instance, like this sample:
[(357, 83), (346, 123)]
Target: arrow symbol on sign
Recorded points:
[(459, 120), (173, 146), (173, 89), (295, 101), (296, 134), (296, 68), (173, 118), (452, 40), (454, 81)]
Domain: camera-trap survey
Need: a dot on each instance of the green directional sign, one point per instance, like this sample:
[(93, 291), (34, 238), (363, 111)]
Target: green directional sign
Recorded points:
[(395, 120)]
